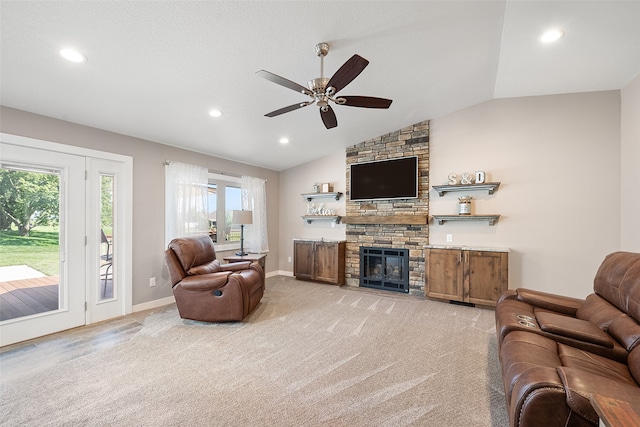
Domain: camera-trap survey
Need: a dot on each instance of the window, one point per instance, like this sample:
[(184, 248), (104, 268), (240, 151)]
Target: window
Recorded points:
[(223, 196)]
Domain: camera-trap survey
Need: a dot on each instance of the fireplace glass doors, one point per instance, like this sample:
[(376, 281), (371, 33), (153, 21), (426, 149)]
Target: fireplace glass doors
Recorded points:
[(384, 268)]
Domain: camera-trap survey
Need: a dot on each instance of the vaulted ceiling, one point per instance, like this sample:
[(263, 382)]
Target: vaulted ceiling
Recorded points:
[(155, 69)]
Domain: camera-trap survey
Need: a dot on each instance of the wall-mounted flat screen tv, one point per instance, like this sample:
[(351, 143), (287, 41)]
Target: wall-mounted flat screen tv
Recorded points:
[(385, 179)]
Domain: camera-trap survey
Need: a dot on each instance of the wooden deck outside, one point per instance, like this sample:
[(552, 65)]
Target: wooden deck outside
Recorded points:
[(25, 297)]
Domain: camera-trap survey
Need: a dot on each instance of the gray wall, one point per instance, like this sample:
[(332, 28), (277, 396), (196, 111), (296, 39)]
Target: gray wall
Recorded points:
[(559, 161), (297, 181), (630, 158), (148, 189)]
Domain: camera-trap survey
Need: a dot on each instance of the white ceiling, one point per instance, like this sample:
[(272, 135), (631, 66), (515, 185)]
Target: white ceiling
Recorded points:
[(156, 68)]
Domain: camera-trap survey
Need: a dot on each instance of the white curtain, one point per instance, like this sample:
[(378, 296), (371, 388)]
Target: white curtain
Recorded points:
[(185, 200), (254, 198)]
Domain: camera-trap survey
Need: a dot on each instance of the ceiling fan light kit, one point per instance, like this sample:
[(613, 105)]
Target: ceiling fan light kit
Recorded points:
[(322, 90)]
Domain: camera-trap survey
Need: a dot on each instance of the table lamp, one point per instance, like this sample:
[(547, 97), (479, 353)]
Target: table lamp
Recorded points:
[(242, 217)]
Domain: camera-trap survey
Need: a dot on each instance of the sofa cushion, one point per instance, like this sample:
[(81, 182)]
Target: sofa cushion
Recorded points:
[(573, 328), (193, 251), (598, 311), (631, 289), (617, 281), (576, 358), (626, 331)]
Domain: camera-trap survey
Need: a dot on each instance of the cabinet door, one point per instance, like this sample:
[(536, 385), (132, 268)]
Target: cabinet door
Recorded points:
[(329, 262), (444, 274), (487, 276), (303, 260)]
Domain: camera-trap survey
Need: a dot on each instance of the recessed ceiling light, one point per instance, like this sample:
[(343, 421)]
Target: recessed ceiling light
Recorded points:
[(284, 140), (215, 113), (73, 55), (551, 36)]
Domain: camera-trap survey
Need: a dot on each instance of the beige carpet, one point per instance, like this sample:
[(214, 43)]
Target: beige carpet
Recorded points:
[(310, 355)]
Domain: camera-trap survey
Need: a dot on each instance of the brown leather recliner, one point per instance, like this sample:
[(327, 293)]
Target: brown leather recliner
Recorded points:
[(557, 352), (207, 290)]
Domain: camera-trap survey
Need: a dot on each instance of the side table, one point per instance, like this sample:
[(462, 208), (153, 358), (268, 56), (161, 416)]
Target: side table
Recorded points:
[(616, 413), (260, 258)]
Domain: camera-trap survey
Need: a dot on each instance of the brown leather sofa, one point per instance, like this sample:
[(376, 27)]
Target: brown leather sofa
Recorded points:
[(207, 290), (556, 352)]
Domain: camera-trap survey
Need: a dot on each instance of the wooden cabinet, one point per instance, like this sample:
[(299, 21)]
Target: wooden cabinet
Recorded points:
[(319, 261), (303, 259), (466, 275)]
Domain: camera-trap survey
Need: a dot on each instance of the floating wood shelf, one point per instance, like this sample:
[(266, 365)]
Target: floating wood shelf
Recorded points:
[(392, 219), (311, 218), (491, 187), (443, 218), (310, 196)]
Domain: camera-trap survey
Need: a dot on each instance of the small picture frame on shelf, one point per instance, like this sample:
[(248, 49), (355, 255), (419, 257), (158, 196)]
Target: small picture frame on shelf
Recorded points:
[(326, 187)]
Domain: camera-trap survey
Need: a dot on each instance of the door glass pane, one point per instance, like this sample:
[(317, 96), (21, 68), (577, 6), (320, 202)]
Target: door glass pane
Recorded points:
[(233, 201), (105, 286), (29, 241)]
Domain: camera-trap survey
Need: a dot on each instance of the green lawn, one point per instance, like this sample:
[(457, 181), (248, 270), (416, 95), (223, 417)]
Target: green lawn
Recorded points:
[(39, 251)]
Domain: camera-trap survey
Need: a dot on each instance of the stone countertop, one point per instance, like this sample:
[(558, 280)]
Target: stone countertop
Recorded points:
[(467, 248)]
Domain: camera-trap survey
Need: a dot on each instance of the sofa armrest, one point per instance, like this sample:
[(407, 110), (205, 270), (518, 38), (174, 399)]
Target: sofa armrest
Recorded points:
[(552, 302), (205, 282), (235, 266), (571, 327), (509, 294), (580, 385)]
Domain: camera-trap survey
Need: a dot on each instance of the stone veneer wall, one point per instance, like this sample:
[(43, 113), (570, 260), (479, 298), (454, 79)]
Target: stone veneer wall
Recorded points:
[(409, 141)]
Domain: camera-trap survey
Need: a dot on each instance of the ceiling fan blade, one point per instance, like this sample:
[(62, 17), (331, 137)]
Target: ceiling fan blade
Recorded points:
[(283, 82), (287, 109), (366, 101), (329, 118), (348, 72)]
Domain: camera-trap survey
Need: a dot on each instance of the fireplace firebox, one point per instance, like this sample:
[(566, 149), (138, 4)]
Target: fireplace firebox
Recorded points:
[(384, 268)]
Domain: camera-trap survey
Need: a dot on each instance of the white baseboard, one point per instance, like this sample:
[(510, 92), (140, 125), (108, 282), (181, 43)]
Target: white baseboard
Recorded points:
[(153, 304), (280, 273)]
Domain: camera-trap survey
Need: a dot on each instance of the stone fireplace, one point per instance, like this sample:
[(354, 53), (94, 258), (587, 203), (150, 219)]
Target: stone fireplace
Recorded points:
[(391, 224), (384, 268)]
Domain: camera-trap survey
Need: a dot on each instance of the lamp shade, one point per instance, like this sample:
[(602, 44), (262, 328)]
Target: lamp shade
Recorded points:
[(242, 217)]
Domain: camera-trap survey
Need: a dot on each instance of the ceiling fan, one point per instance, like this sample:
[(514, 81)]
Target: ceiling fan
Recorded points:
[(322, 90)]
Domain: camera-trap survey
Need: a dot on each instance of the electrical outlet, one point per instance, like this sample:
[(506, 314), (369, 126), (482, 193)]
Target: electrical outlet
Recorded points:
[(152, 281), (289, 259), (449, 238)]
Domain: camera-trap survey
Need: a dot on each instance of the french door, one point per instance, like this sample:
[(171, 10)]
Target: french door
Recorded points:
[(70, 257), (90, 270), (108, 270)]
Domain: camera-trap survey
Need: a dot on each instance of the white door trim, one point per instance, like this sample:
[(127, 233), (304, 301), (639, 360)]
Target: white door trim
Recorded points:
[(126, 210)]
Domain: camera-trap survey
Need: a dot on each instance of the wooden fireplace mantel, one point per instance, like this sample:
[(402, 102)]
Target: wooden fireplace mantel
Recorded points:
[(391, 219)]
